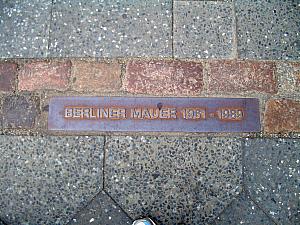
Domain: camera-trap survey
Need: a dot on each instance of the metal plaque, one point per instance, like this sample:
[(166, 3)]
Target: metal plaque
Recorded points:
[(154, 114)]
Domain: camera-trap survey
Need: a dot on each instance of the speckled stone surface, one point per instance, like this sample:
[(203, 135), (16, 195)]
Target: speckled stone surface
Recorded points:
[(173, 179), (289, 77), (2, 223), (24, 28), (203, 29), (45, 180), (101, 210), (268, 29), (111, 28), (243, 211), (272, 177)]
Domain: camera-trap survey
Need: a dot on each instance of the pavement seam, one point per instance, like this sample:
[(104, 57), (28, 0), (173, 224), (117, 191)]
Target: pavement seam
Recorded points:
[(260, 208), (142, 58), (78, 212), (227, 206), (123, 65), (103, 187), (103, 162), (242, 186), (246, 190), (117, 204), (49, 29), (234, 33), (172, 29), (243, 164)]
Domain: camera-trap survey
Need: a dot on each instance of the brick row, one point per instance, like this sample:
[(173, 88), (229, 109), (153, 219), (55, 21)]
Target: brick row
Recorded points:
[(22, 111), (153, 77)]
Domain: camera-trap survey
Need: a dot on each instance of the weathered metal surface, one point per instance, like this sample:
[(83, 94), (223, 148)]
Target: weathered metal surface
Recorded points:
[(154, 114)]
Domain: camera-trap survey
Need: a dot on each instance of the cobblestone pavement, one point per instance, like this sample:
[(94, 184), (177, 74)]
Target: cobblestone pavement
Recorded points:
[(161, 48)]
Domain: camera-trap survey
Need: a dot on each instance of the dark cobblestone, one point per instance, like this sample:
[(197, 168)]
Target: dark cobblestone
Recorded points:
[(20, 111)]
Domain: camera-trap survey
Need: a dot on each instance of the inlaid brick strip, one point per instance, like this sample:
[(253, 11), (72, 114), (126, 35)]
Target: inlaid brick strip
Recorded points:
[(7, 76), (164, 77), (96, 76), (282, 116), (52, 75), (240, 77)]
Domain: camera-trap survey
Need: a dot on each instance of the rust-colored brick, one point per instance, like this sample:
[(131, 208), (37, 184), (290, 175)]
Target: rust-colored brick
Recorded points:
[(96, 76), (164, 77), (45, 75), (240, 77), (282, 116), (7, 76)]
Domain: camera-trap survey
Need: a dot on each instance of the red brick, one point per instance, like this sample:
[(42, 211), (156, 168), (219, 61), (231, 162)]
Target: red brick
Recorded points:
[(282, 116), (96, 76), (240, 77), (45, 75), (7, 76), (164, 77)]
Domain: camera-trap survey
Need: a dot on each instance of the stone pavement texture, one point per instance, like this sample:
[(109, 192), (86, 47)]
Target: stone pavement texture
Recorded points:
[(268, 29), (221, 48), (272, 177), (149, 176), (101, 210), (45, 180), (24, 26), (248, 29), (243, 211), (54, 180), (203, 29), (111, 28)]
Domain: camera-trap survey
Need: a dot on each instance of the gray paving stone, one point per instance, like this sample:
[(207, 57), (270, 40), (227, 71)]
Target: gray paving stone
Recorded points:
[(101, 210), (24, 28), (243, 211), (172, 179), (268, 29), (272, 177), (45, 180), (203, 29), (19, 111), (111, 28), (288, 77)]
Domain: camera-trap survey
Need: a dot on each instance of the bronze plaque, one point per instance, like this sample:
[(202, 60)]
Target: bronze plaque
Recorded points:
[(154, 114)]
